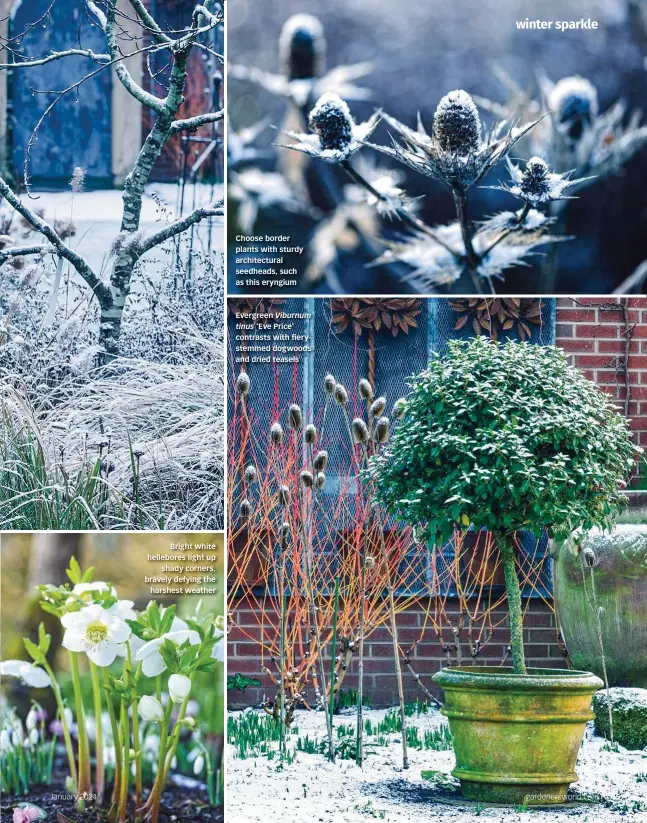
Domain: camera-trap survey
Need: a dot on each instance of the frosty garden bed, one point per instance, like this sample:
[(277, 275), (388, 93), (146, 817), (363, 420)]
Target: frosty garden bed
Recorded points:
[(612, 784)]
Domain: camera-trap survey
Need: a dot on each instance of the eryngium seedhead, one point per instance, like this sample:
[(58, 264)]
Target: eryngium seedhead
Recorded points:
[(302, 47), (398, 408), (332, 121), (295, 418), (341, 395), (574, 102), (382, 428), (307, 478), (243, 383), (457, 125), (320, 461), (365, 389), (535, 181), (251, 474), (310, 434), (329, 384), (378, 406), (276, 433), (360, 430), (320, 480), (245, 509), (284, 495)]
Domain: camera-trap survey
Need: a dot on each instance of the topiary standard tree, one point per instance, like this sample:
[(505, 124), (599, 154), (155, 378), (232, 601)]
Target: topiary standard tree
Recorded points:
[(505, 437)]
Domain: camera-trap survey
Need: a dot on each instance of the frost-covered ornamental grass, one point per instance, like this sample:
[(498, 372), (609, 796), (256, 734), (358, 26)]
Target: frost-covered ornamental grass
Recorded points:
[(135, 443), (306, 787), (142, 667)]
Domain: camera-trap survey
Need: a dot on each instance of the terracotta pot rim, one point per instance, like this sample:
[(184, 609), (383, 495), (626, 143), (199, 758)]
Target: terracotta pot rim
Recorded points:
[(504, 678)]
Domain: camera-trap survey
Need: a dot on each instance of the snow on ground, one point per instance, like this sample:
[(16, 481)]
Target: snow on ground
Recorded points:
[(97, 215), (612, 785)]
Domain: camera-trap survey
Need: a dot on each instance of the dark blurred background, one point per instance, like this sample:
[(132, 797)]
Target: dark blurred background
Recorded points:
[(424, 50)]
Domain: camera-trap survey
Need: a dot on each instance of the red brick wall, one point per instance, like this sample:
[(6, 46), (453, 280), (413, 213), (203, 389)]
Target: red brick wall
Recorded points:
[(244, 655), (607, 338)]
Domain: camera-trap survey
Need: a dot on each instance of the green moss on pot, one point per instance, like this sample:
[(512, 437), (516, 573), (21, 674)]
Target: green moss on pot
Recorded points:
[(629, 711)]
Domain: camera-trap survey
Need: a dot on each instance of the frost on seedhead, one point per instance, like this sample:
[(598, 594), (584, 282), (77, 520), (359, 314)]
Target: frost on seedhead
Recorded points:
[(535, 181), (457, 125), (302, 47), (574, 100), (332, 121)]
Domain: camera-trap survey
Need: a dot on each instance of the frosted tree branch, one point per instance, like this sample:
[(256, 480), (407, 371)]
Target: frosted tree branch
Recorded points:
[(192, 123), (58, 55), (181, 225), (44, 228)]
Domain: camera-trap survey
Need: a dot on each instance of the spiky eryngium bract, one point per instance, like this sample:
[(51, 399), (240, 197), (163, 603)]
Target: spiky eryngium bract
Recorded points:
[(536, 183), (546, 447), (455, 153)]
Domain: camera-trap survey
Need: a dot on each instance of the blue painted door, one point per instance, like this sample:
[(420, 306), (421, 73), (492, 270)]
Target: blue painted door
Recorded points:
[(77, 132)]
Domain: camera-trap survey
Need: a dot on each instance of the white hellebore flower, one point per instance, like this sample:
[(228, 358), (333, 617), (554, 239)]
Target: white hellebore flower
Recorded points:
[(85, 590), (95, 631), (27, 673), (150, 709), (179, 687), (149, 653)]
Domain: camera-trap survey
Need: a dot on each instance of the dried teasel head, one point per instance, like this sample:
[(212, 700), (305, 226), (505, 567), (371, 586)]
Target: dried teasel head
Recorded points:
[(329, 384), (370, 562), (378, 406), (320, 460), (398, 408), (320, 480), (243, 384), (360, 430), (295, 417), (365, 389), (306, 478), (284, 495), (382, 430), (245, 509), (310, 434), (251, 474), (276, 433), (341, 395)]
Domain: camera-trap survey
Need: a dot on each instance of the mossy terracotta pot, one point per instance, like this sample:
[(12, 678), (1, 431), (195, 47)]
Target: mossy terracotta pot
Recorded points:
[(516, 736)]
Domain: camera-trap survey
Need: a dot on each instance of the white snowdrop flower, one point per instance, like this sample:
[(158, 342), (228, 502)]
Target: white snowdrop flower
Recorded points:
[(336, 135), (32, 718), (149, 654), (26, 672), (198, 765), (219, 650), (179, 686), (16, 739), (33, 737), (174, 762), (5, 740), (95, 631), (150, 709), (69, 717)]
